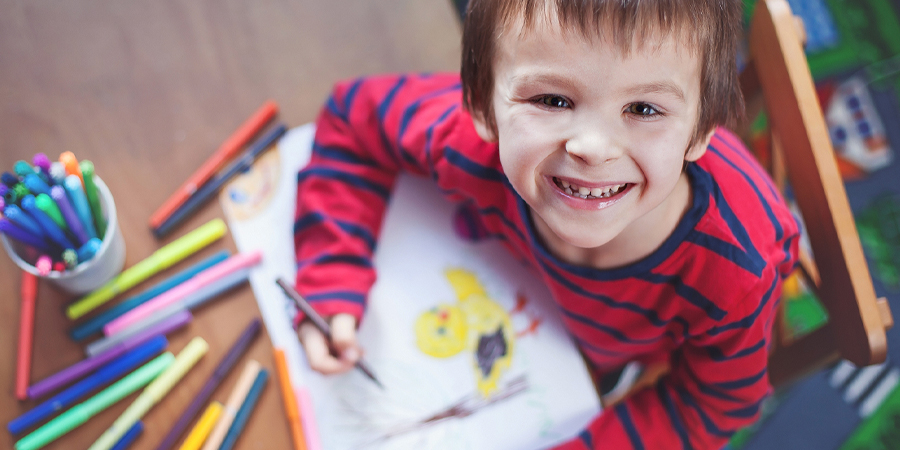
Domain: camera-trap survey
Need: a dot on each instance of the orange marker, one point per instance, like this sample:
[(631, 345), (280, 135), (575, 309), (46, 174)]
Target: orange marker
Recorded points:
[(290, 401), (69, 161), (26, 331), (226, 151)]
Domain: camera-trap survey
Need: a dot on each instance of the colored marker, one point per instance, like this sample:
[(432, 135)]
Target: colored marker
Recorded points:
[(163, 327), (159, 260), (235, 399), (21, 190), (80, 204), (81, 412), (320, 323), (35, 184), (47, 224), (70, 258), (233, 264), (58, 173), (104, 375), (93, 196), (222, 370), (44, 265), (73, 222), (69, 161), (13, 231), (200, 431), (10, 197), (26, 333), (9, 179), (225, 152), (247, 407), (129, 437), (290, 401), (83, 367), (89, 249), (192, 301), (48, 206), (42, 164), (308, 417), (22, 169), (208, 190), (95, 324), (23, 220), (157, 389), (59, 266)]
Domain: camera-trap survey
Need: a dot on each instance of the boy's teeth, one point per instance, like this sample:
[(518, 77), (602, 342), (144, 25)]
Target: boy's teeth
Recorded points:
[(584, 192)]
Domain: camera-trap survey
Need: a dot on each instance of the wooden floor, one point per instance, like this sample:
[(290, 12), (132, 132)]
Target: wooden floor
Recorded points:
[(147, 90)]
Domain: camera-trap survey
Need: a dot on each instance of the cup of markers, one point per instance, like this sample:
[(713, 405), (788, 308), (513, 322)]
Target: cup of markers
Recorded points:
[(59, 222)]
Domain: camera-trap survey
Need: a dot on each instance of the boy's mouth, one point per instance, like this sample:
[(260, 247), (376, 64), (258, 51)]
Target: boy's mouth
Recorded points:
[(589, 193)]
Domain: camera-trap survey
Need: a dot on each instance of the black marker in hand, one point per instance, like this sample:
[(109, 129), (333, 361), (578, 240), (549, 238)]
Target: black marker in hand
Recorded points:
[(320, 323)]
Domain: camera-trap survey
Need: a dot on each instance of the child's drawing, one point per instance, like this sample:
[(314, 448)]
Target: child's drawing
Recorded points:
[(466, 340)]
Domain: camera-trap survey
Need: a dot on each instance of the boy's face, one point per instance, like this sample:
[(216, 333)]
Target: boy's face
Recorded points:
[(577, 116)]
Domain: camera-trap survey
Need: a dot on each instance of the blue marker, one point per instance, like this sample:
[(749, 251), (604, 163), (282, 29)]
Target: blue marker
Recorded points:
[(88, 250), (102, 376), (36, 185), (96, 324), (80, 203), (47, 224), (18, 217), (9, 179), (129, 437), (243, 414), (58, 194)]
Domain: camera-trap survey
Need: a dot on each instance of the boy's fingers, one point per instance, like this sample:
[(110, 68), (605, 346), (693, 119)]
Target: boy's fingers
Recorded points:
[(343, 337), (317, 351)]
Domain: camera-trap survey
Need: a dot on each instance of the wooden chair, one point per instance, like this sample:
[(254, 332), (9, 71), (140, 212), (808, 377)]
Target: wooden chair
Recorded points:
[(802, 153), (777, 79)]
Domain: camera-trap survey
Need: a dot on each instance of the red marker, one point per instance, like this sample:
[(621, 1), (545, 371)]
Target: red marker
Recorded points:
[(26, 329), (222, 155)]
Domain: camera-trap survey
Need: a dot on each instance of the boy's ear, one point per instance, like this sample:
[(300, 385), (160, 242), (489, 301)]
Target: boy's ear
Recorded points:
[(484, 130), (699, 149)]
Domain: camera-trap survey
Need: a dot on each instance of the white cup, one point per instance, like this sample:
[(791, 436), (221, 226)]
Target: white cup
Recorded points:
[(93, 273)]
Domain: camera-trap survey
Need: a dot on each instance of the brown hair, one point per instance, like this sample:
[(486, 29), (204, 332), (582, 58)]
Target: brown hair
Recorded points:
[(712, 28)]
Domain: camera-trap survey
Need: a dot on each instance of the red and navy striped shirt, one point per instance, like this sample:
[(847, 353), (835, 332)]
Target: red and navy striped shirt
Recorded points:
[(704, 301)]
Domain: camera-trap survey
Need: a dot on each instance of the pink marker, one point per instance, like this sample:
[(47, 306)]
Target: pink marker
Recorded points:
[(176, 294), (44, 265), (308, 418)]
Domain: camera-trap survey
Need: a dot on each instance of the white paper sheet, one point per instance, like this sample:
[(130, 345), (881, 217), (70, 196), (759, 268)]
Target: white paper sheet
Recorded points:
[(416, 249)]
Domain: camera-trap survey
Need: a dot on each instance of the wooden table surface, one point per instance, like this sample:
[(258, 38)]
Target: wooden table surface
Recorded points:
[(147, 90)]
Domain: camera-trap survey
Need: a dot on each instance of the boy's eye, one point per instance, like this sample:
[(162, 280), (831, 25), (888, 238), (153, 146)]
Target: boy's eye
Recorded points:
[(554, 101), (642, 109)]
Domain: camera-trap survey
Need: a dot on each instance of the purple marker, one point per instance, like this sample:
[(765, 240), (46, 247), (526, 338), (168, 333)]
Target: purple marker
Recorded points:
[(42, 162), (13, 231), (88, 365), (58, 194)]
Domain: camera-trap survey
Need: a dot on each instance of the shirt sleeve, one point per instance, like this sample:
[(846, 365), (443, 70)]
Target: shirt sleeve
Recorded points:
[(716, 386), (368, 131)]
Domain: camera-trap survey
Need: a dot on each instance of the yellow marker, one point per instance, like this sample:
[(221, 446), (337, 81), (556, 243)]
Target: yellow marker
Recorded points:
[(161, 259), (235, 399), (158, 389), (204, 426)]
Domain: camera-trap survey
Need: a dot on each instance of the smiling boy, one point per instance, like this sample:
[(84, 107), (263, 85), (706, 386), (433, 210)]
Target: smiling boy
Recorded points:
[(584, 135)]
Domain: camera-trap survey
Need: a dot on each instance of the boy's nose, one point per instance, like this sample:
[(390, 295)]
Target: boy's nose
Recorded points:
[(593, 148)]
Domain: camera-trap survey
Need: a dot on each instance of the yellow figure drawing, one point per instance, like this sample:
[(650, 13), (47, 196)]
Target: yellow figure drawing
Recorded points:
[(477, 324)]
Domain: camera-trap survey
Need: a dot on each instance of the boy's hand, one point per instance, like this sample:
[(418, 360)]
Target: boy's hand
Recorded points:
[(343, 338)]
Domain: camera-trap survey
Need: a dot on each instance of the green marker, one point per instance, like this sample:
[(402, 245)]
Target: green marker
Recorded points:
[(158, 389), (161, 259), (93, 197), (21, 190), (70, 257), (49, 207), (80, 413)]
